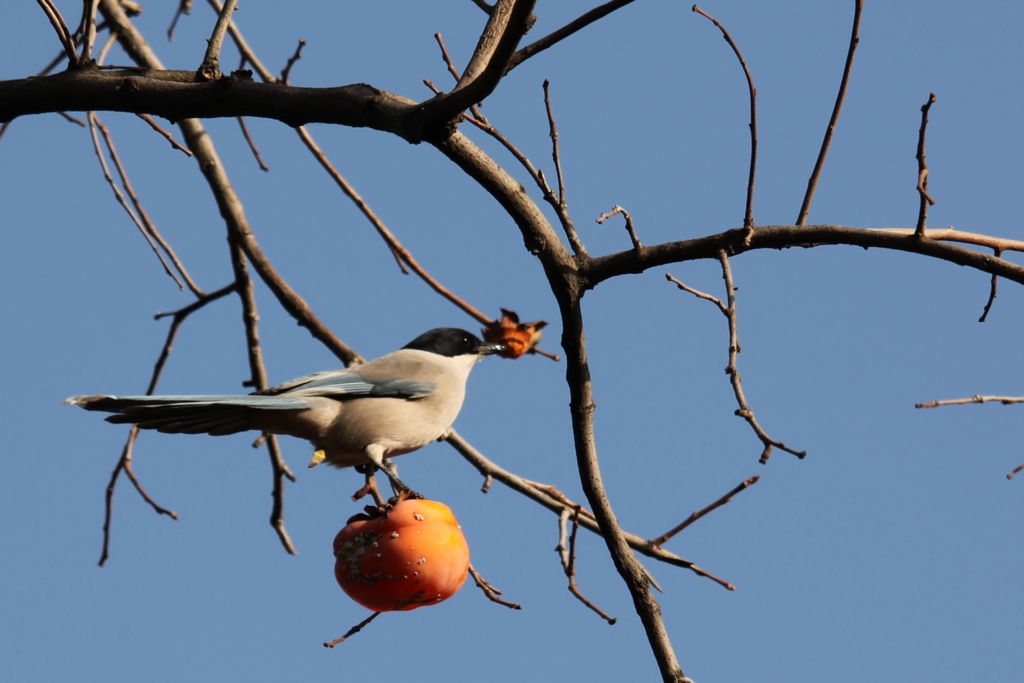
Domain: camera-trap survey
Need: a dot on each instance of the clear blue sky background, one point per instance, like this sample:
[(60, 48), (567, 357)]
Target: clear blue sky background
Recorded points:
[(893, 552)]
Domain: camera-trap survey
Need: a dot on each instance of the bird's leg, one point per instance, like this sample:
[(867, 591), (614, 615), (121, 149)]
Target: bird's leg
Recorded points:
[(369, 470), (375, 452)]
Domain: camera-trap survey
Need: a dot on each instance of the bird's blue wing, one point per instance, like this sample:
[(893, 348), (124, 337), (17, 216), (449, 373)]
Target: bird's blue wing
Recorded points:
[(345, 383)]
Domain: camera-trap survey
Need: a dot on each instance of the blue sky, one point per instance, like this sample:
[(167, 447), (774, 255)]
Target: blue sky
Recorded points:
[(892, 551)]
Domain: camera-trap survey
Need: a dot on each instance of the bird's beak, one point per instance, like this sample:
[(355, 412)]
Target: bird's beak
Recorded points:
[(486, 348)]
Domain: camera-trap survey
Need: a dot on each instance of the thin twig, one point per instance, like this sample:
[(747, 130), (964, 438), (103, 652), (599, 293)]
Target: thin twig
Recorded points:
[(296, 56), (560, 206), (629, 225), (729, 310), (993, 290), (447, 59), (734, 373), (88, 29), (1005, 400), (564, 32), (72, 119), (483, 5), (699, 294), (252, 145), (210, 68), (812, 182), (557, 502), (289, 299), (454, 71), (167, 134), (124, 463), (490, 591), (922, 169), (107, 47), (748, 215), (150, 227), (59, 25), (184, 7), (661, 540), (1017, 469), (563, 536), (243, 48), (570, 573), (354, 630), (258, 380), (95, 123), (400, 252)]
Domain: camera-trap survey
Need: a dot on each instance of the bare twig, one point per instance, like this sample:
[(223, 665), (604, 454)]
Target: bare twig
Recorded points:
[(88, 29), (563, 535), (734, 373), (72, 119), (559, 503), (993, 291), (150, 227), (629, 224), (812, 183), (564, 32), (559, 204), (59, 25), (570, 573), (490, 591), (94, 124), (258, 380), (748, 215), (184, 7), (699, 294), (483, 5), (105, 50), (1005, 400), (447, 59), (167, 135), (252, 145), (401, 253), (210, 68), (729, 311), (454, 71), (296, 56), (1017, 469), (354, 630), (922, 169), (124, 463), (661, 540)]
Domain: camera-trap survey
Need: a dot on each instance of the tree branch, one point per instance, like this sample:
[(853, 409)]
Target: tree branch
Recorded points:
[(739, 240), (748, 216), (812, 182), (561, 34)]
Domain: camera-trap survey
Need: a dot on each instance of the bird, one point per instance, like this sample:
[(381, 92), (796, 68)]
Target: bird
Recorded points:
[(365, 414)]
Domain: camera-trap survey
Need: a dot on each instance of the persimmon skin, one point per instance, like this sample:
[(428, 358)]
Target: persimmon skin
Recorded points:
[(415, 556)]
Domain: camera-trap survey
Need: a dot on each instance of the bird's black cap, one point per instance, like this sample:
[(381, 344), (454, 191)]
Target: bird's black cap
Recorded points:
[(452, 342)]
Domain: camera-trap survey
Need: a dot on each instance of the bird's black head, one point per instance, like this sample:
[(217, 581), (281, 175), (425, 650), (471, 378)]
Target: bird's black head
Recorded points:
[(452, 342)]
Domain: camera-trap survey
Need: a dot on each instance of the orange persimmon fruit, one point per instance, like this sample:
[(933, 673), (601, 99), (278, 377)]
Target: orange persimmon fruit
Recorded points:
[(412, 555)]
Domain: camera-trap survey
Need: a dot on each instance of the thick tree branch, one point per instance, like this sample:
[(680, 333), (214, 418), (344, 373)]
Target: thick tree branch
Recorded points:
[(174, 95), (581, 408), (739, 240)]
